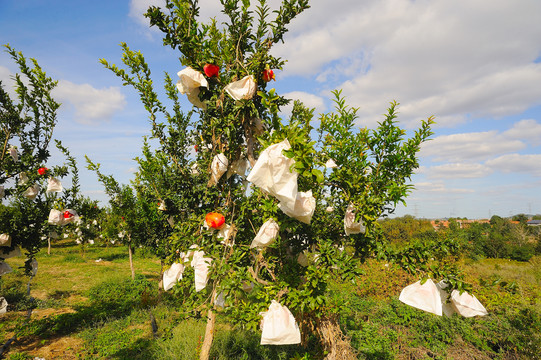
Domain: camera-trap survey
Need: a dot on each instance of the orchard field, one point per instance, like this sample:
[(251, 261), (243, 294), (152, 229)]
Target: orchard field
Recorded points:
[(89, 308), (264, 227)]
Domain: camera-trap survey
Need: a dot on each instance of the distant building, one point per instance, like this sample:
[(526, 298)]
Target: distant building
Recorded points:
[(534, 223), (444, 224)]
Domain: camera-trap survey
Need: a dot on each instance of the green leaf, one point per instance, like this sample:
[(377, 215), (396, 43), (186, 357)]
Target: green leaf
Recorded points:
[(318, 175)]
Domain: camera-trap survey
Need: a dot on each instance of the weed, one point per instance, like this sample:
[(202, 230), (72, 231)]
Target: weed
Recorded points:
[(120, 297), (19, 356), (110, 313), (181, 342), (119, 339), (244, 345), (73, 258), (16, 295)]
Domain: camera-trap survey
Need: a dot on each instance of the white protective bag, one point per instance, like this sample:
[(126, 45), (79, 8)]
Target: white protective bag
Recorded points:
[(12, 151), (23, 178), (201, 269), (219, 300), (189, 83), (271, 174), (446, 307), (56, 217), (304, 208), (13, 253), (238, 167), (194, 169), (242, 89), (266, 235), (303, 260), (172, 275), (279, 326), (350, 225), (31, 192), (217, 168), (331, 164), (162, 206), (3, 305), (34, 265), (5, 240), (425, 297), (227, 233), (75, 218), (54, 185), (5, 268), (467, 305)]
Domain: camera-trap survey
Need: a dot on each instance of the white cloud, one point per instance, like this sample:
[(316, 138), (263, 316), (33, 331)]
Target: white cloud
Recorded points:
[(5, 75), (90, 104), (207, 9), (469, 146), (139, 7), (442, 57), (481, 154), (438, 187), (458, 170), (528, 130), (7, 81), (517, 163), (309, 100)]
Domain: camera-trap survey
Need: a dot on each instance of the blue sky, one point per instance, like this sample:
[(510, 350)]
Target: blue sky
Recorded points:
[(475, 65)]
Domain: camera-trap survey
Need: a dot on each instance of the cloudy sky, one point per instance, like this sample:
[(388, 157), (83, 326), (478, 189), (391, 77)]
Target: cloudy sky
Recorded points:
[(475, 65)]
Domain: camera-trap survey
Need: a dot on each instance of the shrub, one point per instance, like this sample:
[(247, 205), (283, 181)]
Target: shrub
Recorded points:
[(182, 342), (244, 345), (521, 253), (117, 298)]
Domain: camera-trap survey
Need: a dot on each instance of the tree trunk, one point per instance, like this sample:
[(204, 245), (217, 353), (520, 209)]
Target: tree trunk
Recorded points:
[(209, 335), (160, 284), (7, 344), (48, 246), (335, 343), (131, 261)]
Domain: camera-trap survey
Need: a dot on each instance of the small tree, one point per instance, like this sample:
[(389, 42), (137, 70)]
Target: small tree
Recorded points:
[(28, 188), (345, 175), (134, 218), (25, 181)]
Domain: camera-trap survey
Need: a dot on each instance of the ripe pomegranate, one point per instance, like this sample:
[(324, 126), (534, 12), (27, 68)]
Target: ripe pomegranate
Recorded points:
[(268, 75), (215, 220), (211, 70)]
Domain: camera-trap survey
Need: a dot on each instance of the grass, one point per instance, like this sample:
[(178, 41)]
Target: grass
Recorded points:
[(93, 310)]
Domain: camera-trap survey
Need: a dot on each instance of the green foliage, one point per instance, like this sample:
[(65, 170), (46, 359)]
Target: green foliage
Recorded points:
[(244, 345), (14, 292), (182, 342), (19, 356), (522, 253), (118, 339), (403, 230), (499, 239), (374, 167), (522, 218), (383, 330), (26, 129), (538, 242), (114, 297), (378, 325)]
